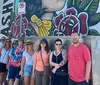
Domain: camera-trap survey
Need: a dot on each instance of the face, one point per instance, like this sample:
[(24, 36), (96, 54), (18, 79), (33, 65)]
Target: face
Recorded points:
[(20, 42), (53, 5), (58, 45), (7, 44), (3, 41), (43, 44), (75, 38), (30, 46), (14, 44)]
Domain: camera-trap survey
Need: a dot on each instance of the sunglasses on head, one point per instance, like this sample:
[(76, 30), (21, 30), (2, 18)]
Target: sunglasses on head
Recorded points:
[(74, 37), (14, 43)]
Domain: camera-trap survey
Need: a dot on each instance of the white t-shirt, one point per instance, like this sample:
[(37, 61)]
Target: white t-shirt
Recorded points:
[(29, 59), (1, 44), (4, 55)]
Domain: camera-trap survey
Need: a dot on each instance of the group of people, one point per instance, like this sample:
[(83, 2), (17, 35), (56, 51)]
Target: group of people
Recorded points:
[(70, 66)]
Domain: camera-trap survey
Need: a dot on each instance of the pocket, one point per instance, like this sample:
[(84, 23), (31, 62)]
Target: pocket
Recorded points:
[(86, 82)]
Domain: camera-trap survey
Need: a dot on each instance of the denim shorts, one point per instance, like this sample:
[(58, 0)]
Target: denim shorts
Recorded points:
[(28, 70)]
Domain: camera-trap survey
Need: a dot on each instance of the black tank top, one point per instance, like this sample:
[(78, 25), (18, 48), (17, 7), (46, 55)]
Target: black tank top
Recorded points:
[(57, 59)]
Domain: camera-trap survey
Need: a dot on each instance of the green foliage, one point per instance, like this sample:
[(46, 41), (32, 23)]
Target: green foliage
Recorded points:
[(93, 7), (70, 3), (77, 2), (93, 32), (94, 19), (84, 4)]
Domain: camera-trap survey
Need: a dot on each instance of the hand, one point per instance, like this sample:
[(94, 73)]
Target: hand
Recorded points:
[(54, 70), (21, 73), (87, 79), (33, 75), (7, 66), (57, 66)]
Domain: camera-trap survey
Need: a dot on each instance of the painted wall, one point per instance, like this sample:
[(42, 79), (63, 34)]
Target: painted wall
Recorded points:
[(51, 18)]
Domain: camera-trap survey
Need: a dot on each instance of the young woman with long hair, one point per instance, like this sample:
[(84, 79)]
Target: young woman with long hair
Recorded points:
[(41, 55)]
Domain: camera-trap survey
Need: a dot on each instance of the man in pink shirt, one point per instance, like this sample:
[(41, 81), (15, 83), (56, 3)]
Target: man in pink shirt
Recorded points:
[(79, 62)]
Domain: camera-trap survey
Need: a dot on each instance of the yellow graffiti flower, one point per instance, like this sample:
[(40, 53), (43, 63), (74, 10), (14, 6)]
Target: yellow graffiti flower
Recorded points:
[(43, 25)]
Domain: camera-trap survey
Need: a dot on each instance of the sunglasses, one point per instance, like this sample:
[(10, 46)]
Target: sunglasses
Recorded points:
[(14, 43), (58, 44), (73, 37), (29, 44)]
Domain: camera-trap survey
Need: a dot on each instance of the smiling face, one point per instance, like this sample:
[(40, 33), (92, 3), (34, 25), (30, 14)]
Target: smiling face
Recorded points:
[(53, 5)]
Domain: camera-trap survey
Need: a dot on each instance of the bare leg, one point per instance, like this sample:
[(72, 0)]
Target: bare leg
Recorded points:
[(32, 81), (4, 79), (1, 78), (27, 80), (16, 82), (11, 81)]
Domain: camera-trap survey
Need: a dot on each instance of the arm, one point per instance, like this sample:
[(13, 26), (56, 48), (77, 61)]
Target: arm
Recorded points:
[(88, 69), (64, 55), (22, 65), (87, 57), (50, 60), (8, 60), (34, 65), (63, 62)]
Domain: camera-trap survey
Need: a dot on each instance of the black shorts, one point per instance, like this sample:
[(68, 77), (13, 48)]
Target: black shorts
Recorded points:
[(2, 67)]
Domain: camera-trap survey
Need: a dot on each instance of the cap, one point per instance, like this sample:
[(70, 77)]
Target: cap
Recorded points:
[(29, 42), (15, 42), (21, 38), (8, 40), (3, 38)]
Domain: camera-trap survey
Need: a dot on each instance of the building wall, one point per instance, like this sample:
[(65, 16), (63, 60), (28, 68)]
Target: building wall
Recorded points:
[(52, 18)]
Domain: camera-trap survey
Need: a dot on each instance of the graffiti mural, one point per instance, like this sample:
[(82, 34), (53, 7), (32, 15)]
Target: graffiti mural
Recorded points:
[(71, 21), (15, 27), (51, 18), (41, 13), (6, 7), (78, 16), (90, 7)]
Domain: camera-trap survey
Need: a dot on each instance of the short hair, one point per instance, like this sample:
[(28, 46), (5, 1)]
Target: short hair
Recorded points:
[(76, 33), (58, 40)]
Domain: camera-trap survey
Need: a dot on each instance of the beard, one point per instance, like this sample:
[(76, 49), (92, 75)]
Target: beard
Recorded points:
[(75, 42)]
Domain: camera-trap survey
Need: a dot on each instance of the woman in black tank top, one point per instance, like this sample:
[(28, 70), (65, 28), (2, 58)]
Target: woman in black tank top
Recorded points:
[(58, 61)]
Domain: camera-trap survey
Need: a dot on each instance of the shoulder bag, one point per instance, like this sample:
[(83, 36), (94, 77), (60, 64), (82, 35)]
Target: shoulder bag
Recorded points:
[(47, 69)]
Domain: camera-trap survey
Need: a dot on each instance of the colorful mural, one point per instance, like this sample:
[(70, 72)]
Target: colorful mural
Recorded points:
[(78, 16), (51, 18)]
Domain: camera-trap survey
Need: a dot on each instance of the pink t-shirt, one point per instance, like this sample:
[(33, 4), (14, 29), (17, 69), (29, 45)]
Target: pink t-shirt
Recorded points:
[(39, 64), (77, 58)]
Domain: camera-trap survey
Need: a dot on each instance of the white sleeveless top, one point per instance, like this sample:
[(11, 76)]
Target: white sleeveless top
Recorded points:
[(29, 59)]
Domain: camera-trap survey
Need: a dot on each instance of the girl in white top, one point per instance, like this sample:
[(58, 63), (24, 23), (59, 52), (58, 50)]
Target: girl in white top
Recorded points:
[(3, 61), (27, 63)]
